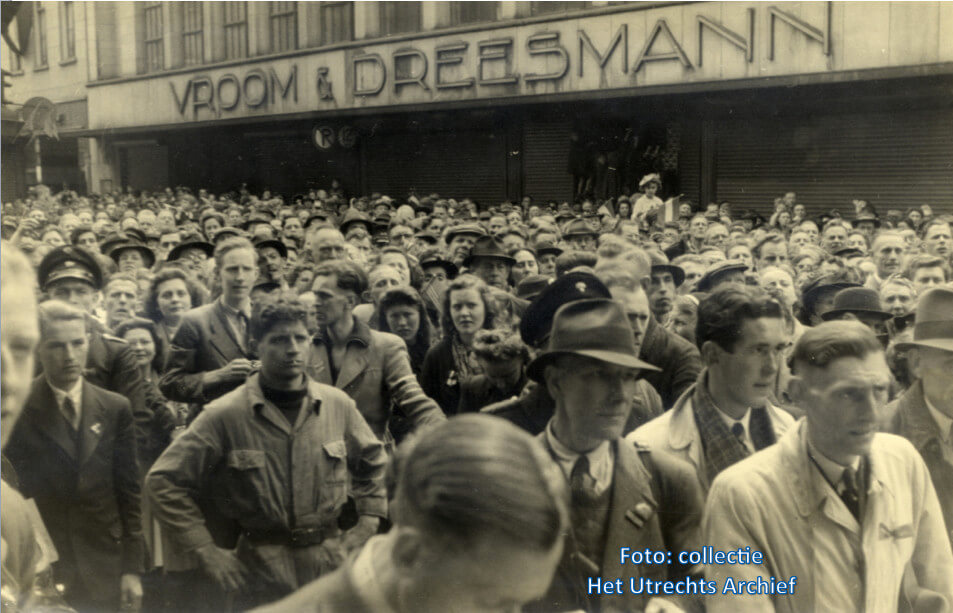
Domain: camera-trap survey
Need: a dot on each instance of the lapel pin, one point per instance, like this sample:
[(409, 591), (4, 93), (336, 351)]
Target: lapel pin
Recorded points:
[(97, 428)]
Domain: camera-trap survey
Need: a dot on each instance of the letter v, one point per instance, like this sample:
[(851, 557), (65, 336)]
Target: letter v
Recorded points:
[(185, 97)]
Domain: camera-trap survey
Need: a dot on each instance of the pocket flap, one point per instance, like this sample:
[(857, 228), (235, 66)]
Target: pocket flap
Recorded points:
[(336, 449), (245, 459)]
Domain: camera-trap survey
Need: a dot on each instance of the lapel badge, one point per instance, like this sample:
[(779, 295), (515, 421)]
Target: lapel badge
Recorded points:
[(97, 428), (639, 514)]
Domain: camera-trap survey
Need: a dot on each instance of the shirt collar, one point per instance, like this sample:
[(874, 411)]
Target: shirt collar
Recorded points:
[(245, 309), (832, 470), (730, 421), (943, 421), (258, 401), (600, 458)]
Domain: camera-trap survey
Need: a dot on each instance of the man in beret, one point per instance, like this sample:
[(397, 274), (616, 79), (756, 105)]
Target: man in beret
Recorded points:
[(72, 275)]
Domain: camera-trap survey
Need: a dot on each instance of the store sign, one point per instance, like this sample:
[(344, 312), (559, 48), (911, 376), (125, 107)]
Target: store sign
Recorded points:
[(680, 44)]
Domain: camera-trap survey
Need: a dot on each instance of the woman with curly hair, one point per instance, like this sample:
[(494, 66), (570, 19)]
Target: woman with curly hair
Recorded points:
[(171, 293), (468, 307)]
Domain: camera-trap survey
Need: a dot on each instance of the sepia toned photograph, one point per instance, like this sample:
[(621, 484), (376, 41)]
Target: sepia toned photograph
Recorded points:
[(476, 306)]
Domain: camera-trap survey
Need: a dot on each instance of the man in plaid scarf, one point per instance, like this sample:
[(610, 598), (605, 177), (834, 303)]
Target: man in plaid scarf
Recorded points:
[(726, 415)]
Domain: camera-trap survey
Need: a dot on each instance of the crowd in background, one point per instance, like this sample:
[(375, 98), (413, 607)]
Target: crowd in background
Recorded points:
[(423, 308)]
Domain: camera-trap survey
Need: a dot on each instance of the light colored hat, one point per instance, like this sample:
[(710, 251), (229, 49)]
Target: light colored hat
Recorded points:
[(649, 178), (933, 326)]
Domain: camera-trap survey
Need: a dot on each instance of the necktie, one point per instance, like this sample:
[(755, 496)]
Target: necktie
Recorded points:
[(739, 431), (69, 411), (581, 483), (850, 494)]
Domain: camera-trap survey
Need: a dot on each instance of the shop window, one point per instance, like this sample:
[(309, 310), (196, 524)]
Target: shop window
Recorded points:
[(399, 17), (155, 50), (67, 32), (42, 59), (193, 37), (236, 30), (544, 7), (473, 12), (284, 26), (337, 22)]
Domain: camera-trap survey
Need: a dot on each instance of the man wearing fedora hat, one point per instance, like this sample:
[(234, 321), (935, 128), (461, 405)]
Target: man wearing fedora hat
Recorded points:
[(590, 369), (924, 413), (489, 261)]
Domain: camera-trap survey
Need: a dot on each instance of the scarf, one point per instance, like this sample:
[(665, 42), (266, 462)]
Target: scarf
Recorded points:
[(722, 448), (464, 359)]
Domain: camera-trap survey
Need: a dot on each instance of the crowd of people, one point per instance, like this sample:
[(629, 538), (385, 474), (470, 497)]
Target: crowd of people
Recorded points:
[(217, 402)]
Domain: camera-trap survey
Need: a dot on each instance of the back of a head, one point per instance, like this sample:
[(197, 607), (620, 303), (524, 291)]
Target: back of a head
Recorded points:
[(571, 259), (817, 347), (478, 476)]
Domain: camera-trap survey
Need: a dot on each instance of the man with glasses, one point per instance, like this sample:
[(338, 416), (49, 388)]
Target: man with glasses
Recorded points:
[(726, 416)]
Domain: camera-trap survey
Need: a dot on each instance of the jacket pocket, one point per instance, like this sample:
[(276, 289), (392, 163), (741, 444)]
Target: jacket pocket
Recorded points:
[(333, 486), (247, 481)]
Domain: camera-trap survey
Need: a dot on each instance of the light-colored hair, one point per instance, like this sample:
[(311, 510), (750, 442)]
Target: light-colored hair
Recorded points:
[(819, 346), (476, 476), (231, 244), (56, 310)]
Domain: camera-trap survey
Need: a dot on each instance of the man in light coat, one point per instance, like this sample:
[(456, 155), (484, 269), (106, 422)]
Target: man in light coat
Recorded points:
[(726, 416), (847, 518)]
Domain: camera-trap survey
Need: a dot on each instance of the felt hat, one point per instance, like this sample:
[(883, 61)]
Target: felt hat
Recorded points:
[(548, 249), (434, 257), (466, 228), (279, 246), (578, 227), (191, 243), (865, 216), (857, 300), (820, 286), (933, 323), (488, 247), (531, 286), (719, 270), (148, 256), (596, 328)]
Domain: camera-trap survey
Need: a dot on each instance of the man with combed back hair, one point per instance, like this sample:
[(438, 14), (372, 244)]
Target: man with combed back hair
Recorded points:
[(846, 518), (479, 515)]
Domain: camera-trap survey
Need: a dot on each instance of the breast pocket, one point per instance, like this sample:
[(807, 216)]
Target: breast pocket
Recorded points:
[(246, 476), (333, 486)]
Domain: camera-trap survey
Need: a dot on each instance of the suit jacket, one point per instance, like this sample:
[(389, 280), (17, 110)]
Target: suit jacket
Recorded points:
[(777, 502), (204, 341), (111, 365), (87, 494), (655, 503), (913, 421), (376, 373), (679, 361), (676, 432)]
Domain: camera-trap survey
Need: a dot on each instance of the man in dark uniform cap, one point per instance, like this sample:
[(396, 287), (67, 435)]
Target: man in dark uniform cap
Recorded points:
[(72, 274)]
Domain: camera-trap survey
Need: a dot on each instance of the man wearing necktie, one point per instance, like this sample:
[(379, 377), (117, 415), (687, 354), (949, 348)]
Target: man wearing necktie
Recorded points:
[(726, 415), (851, 513), (209, 355), (74, 452), (622, 495)]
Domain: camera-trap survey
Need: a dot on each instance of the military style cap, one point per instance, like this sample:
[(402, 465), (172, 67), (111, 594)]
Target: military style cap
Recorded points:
[(69, 262)]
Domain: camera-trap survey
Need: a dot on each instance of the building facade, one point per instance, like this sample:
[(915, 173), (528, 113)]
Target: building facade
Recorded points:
[(493, 100)]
